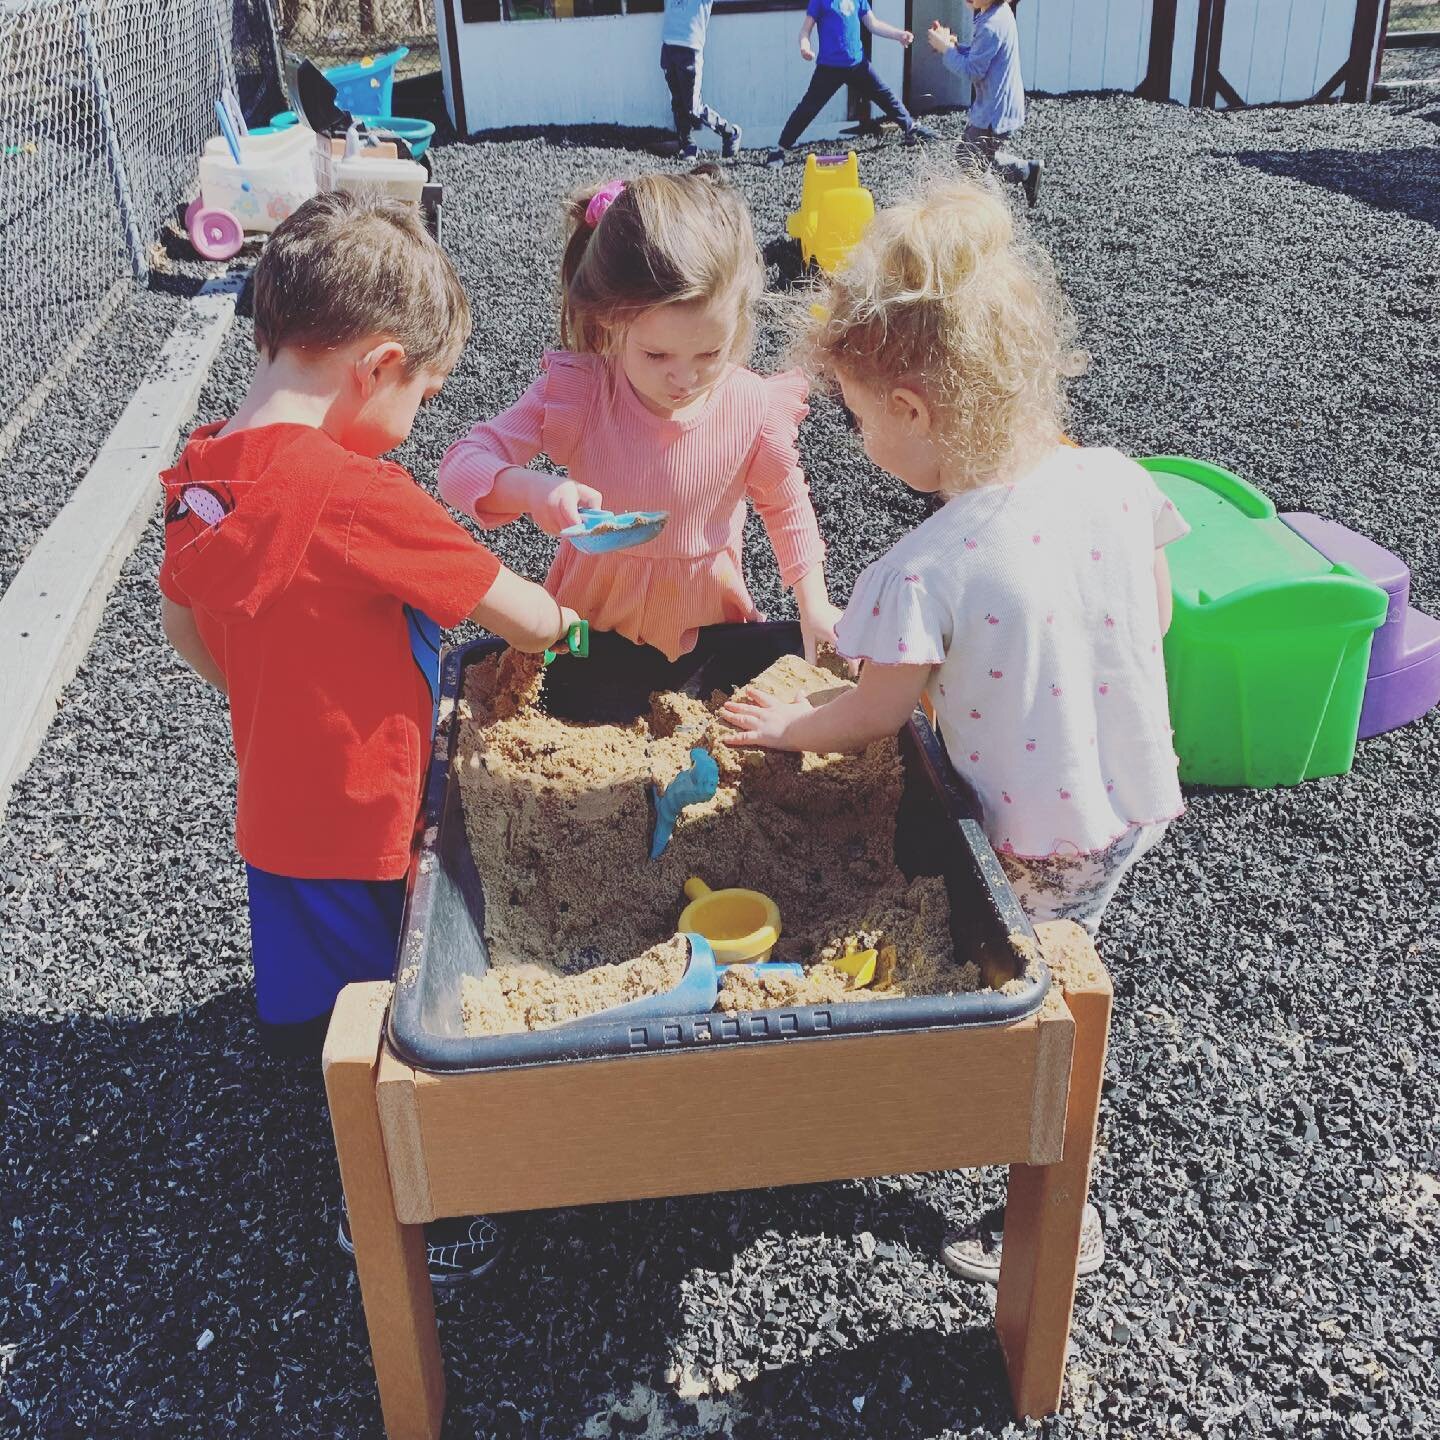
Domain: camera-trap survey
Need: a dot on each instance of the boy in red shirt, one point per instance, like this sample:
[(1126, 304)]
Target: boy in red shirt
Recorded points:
[(309, 580)]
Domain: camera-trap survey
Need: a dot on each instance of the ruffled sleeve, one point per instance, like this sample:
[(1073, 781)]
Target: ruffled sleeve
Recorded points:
[(1169, 523), (549, 417), (775, 482), (893, 619)]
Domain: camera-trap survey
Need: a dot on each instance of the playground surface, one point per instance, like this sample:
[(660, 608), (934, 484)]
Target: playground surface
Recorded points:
[(1256, 289)]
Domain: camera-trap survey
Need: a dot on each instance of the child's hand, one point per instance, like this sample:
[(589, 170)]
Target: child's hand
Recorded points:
[(567, 618), (806, 53), (762, 720), (940, 38), (818, 619), (906, 38), (556, 502)]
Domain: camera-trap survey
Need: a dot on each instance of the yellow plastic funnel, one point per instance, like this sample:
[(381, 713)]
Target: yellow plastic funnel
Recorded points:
[(742, 926)]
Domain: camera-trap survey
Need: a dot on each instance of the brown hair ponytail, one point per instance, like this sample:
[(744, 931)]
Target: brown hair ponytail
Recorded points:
[(663, 240)]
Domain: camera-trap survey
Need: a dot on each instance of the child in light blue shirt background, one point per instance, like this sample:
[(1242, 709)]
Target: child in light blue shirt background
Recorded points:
[(991, 63), (682, 57)]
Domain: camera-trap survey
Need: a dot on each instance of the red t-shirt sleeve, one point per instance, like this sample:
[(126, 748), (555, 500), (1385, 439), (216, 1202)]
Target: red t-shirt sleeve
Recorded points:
[(401, 541)]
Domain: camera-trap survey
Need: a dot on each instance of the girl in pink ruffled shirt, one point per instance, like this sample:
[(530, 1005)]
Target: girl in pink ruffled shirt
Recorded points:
[(649, 407)]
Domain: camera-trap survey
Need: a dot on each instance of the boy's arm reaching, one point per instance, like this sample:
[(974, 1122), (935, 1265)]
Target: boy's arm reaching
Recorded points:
[(878, 706), (181, 631), (876, 26), (522, 613)]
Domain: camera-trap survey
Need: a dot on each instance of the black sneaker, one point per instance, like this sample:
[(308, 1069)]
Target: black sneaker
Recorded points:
[(689, 150), (459, 1249), (1032, 182), (730, 141), (917, 132), (775, 159)]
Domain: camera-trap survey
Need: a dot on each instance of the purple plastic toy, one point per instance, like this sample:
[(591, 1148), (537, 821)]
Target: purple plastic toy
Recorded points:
[(1404, 677)]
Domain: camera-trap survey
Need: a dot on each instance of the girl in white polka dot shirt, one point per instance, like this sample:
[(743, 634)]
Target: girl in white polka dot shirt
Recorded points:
[(1030, 607)]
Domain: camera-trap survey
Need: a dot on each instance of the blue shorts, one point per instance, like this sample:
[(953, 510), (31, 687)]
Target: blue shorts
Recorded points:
[(311, 938)]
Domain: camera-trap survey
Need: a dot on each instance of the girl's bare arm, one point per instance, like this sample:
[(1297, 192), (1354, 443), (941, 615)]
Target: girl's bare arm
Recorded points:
[(878, 706)]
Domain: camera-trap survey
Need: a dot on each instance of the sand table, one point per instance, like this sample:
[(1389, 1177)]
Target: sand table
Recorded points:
[(559, 823)]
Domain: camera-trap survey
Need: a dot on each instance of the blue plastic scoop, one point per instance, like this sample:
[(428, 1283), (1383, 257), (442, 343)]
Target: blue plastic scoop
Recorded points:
[(689, 787), (602, 530), (694, 995)]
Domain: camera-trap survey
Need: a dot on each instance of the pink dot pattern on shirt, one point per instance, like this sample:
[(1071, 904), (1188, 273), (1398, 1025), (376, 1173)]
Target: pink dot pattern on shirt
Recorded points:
[(1062, 770)]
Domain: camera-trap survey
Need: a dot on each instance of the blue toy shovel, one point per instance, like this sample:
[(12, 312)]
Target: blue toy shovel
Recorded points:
[(778, 969), (689, 787), (694, 995), (602, 530)]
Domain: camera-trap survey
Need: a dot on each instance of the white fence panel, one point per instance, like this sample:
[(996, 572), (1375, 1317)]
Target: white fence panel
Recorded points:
[(606, 70)]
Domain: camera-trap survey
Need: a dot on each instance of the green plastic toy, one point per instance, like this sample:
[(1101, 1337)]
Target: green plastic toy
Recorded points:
[(1267, 653), (577, 639)]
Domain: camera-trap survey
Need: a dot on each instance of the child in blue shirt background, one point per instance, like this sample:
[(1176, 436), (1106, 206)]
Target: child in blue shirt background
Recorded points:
[(842, 63), (682, 55), (991, 62)]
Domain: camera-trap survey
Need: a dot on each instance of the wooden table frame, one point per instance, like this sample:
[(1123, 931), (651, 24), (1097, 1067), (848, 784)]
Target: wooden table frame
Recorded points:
[(415, 1146)]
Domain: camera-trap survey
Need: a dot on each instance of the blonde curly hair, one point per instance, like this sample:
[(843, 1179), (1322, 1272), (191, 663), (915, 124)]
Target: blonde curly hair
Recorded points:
[(942, 296)]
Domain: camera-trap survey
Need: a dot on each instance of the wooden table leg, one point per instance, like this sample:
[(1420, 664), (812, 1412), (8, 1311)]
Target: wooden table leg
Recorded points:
[(394, 1279), (1043, 1209)]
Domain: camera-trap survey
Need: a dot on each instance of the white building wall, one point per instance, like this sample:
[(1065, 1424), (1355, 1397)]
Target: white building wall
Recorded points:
[(1182, 68), (1071, 45), (1275, 50), (606, 70)]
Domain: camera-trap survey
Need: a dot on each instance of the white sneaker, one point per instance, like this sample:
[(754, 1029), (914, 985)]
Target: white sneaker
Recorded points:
[(974, 1252)]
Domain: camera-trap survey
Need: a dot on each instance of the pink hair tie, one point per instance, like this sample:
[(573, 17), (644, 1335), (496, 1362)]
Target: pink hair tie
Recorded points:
[(601, 201)]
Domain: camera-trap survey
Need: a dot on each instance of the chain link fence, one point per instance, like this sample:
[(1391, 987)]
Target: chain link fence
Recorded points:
[(339, 32), (104, 108)]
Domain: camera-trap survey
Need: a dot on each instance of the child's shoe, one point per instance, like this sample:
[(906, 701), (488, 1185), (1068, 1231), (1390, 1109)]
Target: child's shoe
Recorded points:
[(730, 141), (775, 159), (689, 150), (462, 1248), (917, 132), (1032, 182), (974, 1252)]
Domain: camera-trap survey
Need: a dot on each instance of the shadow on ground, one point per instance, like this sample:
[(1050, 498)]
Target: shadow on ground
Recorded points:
[(156, 1204), (1405, 182)]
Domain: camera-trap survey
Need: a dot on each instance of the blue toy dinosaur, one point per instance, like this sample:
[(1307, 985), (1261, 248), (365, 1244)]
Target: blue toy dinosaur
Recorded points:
[(689, 787)]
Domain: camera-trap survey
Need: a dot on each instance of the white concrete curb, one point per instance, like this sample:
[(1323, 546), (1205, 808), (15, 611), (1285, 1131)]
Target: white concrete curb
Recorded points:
[(51, 609)]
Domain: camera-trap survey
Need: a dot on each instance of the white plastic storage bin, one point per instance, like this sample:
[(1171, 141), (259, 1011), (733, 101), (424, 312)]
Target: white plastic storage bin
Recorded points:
[(399, 179), (276, 175)]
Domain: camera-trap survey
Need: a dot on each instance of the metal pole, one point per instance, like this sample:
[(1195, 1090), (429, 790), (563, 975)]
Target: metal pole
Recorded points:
[(134, 243)]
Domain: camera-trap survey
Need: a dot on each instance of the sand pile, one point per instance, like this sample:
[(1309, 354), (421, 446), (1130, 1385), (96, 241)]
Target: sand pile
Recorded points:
[(509, 998), (559, 822)]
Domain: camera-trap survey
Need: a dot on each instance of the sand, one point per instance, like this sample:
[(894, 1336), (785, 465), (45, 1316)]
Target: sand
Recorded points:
[(559, 820), (506, 999)]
